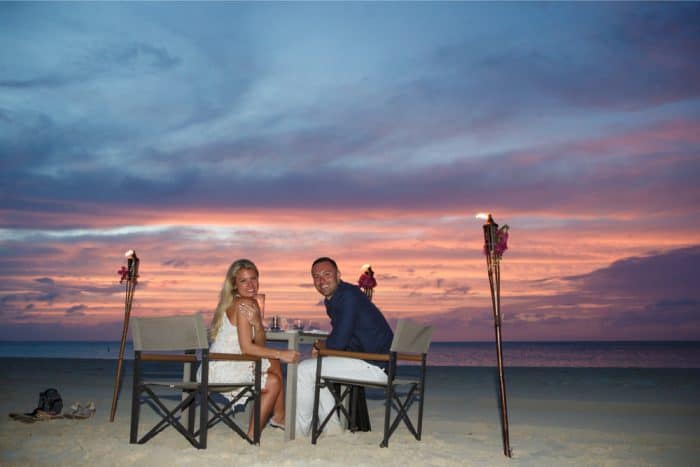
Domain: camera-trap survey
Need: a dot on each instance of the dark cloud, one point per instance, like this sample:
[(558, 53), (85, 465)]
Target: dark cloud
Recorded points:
[(43, 81), (128, 58), (176, 263), (458, 290), (76, 310), (565, 176), (655, 295), (659, 47), (47, 290), (386, 277), (661, 278), (676, 303), (651, 297), (135, 56), (642, 57)]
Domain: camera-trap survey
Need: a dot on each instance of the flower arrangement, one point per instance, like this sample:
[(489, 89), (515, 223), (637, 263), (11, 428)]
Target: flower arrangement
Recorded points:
[(501, 242), (367, 282), (124, 273)]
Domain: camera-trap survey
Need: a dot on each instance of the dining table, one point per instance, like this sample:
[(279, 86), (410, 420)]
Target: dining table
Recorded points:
[(294, 338)]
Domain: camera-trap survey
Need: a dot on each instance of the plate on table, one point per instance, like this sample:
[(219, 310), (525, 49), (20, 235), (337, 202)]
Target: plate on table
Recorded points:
[(315, 331)]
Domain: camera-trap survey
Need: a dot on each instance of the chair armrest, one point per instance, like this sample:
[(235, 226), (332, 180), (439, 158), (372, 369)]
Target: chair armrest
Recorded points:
[(168, 358), (380, 357), (411, 357), (233, 357)]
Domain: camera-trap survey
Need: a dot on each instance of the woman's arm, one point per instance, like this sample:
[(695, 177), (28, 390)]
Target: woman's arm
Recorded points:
[(251, 310), (245, 323)]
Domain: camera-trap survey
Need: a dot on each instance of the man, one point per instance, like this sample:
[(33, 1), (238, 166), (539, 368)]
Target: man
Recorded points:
[(357, 325)]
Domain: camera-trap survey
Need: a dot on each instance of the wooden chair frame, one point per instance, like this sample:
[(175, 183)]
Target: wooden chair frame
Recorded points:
[(221, 412)]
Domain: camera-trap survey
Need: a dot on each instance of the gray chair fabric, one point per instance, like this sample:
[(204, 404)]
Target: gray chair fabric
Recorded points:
[(160, 344), (410, 344), (411, 337), (169, 333)]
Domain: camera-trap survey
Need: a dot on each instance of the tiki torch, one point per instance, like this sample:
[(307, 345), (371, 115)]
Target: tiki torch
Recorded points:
[(130, 274), (495, 243)]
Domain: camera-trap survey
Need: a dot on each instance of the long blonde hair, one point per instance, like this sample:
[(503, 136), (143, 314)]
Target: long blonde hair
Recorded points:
[(227, 293)]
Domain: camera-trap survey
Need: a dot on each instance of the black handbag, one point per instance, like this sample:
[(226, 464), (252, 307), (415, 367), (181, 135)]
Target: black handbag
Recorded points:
[(50, 402)]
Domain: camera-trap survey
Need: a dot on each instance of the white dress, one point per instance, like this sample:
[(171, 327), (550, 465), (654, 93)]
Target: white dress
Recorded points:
[(230, 372)]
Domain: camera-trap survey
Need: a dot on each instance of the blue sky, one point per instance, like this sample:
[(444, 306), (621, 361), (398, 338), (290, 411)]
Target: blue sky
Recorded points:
[(198, 133)]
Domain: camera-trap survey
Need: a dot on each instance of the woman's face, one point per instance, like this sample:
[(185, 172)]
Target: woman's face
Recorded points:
[(245, 282)]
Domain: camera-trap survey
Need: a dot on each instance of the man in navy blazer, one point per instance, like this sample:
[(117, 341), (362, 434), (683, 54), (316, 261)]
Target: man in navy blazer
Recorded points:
[(357, 325)]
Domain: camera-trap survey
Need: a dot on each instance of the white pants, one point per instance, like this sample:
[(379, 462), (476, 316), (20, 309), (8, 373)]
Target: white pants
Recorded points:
[(332, 366)]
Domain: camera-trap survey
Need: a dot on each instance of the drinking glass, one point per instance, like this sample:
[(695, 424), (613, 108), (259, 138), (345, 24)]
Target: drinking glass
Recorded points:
[(260, 298)]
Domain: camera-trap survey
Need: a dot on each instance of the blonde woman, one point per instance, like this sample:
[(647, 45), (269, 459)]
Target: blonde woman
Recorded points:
[(237, 328)]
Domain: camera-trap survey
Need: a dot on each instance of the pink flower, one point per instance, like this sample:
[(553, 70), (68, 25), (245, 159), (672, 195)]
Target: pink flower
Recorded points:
[(366, 281), (501, 242), (124, 272)]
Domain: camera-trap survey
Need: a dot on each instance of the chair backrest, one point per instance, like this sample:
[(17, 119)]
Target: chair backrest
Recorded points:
[(411, 337), (169, 333)]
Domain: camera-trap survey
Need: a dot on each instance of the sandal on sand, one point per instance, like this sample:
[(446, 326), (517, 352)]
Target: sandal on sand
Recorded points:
[(35, 416), (41, 415), (78, 412), (23, 417), (275, 424)]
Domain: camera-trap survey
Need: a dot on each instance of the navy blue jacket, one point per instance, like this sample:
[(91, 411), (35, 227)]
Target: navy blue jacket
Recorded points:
[(357, 323)]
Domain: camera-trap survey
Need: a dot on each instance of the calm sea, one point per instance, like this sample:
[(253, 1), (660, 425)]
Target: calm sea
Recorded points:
[(643, 354)]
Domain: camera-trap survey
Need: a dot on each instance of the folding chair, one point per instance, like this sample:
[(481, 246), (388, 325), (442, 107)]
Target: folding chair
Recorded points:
[(157, 343), (410, 344)]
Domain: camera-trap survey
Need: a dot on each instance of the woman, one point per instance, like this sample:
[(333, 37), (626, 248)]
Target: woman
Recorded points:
[(237, 328)]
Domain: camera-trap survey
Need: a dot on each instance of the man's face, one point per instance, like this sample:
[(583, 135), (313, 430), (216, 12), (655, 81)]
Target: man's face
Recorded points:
[(326, 278)]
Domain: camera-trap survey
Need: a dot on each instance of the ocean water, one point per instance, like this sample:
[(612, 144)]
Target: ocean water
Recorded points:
[(637, 354)]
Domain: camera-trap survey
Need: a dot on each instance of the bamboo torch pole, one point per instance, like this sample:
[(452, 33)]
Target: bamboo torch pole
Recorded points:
[(493, 260), (129, 274)]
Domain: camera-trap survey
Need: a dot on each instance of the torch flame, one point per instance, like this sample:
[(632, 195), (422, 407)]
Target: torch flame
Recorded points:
[(130, 254), (482, 215)]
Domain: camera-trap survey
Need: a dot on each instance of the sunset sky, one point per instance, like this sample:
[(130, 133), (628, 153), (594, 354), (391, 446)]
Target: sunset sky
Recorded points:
[(198, 133)]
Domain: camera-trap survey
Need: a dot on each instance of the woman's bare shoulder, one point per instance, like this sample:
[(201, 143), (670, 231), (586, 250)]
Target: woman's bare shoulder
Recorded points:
[(237, 302), (246, 300)]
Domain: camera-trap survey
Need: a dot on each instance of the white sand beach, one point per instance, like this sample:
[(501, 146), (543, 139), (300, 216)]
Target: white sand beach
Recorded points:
[(558, 416)]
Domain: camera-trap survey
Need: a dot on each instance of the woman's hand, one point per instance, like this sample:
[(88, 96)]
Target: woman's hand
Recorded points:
[(289, 356), (251, 314), (318, 345)]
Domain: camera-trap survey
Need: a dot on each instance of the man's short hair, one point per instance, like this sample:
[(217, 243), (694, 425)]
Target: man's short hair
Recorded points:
[(323, 259)]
